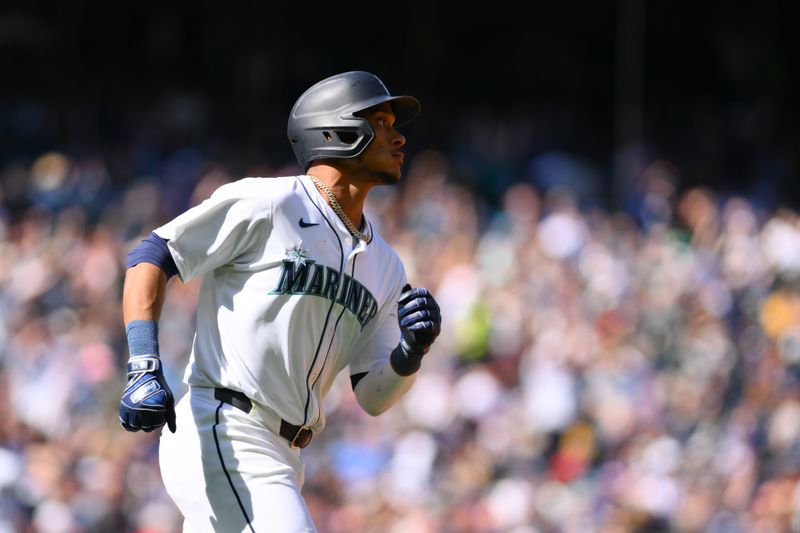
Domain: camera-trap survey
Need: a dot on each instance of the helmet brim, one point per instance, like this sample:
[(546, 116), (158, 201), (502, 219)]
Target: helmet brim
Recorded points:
[(405, 108)]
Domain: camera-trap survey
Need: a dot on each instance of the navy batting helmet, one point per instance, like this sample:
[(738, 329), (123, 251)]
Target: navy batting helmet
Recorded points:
[(323, 124)]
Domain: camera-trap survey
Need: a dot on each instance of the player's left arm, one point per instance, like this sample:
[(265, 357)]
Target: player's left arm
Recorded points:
[(390, 378)]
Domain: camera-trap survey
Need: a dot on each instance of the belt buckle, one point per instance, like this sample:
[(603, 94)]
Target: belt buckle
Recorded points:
[(302, 437)]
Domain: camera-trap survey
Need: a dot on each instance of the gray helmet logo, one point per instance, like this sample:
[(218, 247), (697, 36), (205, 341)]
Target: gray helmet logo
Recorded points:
[(323, 124)]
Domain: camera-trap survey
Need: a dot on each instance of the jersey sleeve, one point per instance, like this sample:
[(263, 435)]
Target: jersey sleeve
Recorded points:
[(382, 334), (227, 228)]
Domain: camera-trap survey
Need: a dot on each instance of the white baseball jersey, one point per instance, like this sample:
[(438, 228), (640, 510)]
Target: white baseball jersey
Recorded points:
[(289, 298)]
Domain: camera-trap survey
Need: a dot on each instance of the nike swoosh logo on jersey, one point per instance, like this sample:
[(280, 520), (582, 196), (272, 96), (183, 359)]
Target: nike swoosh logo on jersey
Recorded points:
[(304, 224)]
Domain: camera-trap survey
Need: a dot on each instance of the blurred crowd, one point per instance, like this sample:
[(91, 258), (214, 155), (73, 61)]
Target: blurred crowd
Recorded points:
[(599, 370)]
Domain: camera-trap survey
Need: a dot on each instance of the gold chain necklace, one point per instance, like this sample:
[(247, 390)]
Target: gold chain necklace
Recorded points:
[(338, 210)]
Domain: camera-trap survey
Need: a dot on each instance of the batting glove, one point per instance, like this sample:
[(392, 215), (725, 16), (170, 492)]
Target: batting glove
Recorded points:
[(147, 402), (420, 324)]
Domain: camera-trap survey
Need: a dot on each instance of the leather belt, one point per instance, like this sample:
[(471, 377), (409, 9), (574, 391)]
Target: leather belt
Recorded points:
[(298, 436)]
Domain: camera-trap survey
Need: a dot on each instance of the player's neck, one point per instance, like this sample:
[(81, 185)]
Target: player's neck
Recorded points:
[(349, 194)]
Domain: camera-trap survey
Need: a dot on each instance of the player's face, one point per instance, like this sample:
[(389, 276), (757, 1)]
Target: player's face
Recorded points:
[(383, 158)]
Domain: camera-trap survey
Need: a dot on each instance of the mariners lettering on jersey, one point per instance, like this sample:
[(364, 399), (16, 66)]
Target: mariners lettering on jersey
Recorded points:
[(301, 275)]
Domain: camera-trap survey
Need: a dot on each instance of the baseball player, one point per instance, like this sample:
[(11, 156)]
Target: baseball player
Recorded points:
[(297, 286)]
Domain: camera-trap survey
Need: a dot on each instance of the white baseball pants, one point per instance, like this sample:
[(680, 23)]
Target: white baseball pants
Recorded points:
[(228, 473)]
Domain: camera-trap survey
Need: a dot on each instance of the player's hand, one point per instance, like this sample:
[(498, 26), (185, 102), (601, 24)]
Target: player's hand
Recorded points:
[(419, 318), (147, 402)]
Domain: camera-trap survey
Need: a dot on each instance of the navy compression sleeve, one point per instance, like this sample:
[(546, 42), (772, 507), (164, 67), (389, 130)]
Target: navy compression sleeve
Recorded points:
[(153, 250)]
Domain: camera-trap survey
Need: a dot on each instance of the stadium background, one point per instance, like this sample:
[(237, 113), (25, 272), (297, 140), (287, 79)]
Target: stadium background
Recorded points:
[(602, 197)]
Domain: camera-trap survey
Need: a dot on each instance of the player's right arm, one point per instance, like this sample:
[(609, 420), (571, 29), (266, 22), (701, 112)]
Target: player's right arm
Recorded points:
[(147, 402), (228, 226), (143, 292)]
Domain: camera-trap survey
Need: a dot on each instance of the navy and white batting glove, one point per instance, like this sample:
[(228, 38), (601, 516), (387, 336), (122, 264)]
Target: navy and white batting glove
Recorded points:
[(147, 402), (420, 324)]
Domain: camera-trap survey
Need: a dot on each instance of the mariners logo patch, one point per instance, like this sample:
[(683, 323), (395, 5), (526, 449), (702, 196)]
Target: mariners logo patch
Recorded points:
[(298, 255), (302, 275)]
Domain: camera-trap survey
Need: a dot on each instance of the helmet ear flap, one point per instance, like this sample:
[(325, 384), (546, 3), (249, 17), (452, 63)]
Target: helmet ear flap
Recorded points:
[(347, 137), (323, 123), (332, 143)]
